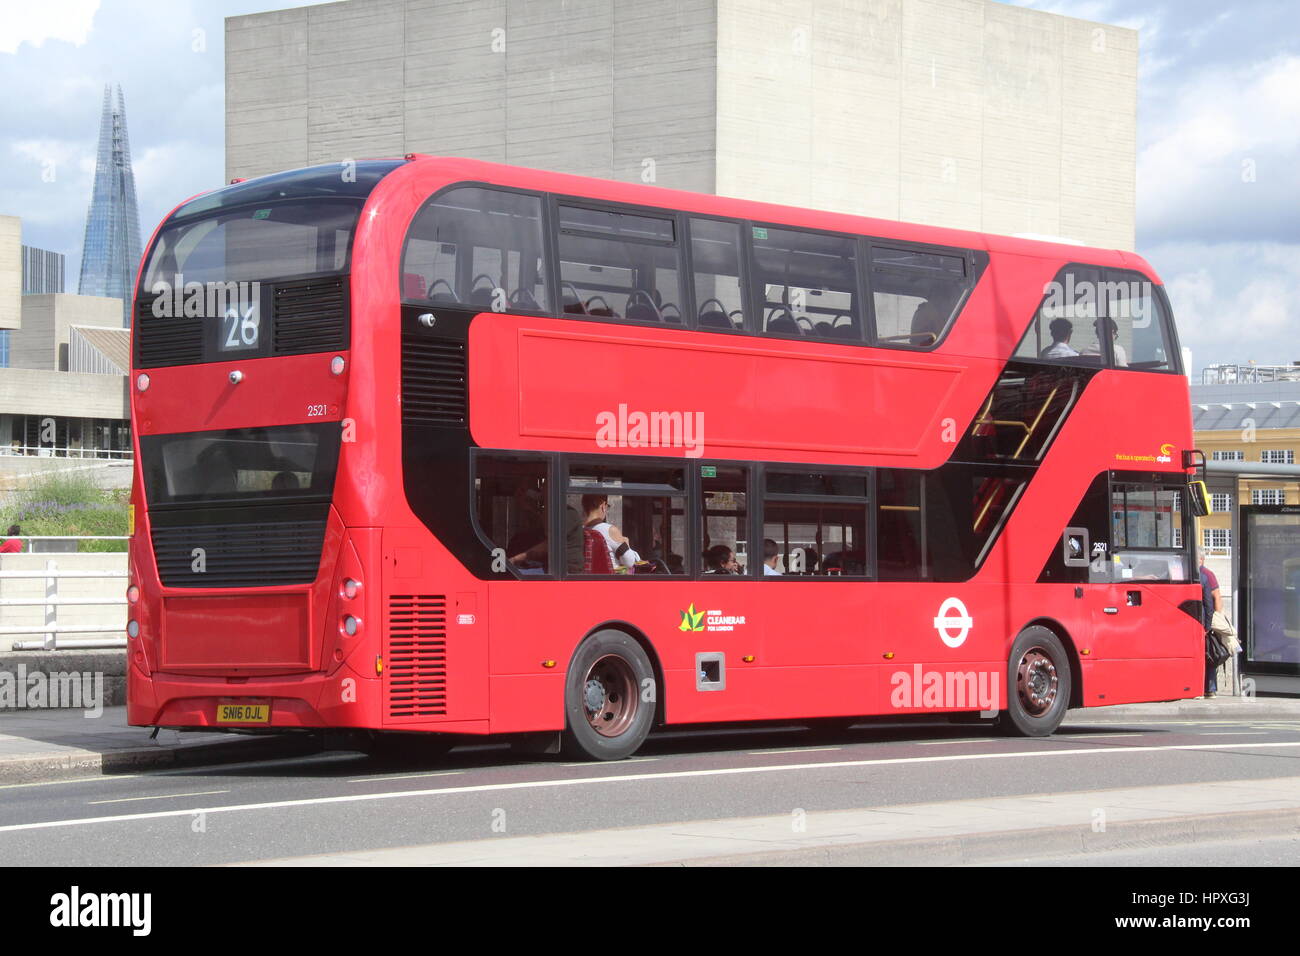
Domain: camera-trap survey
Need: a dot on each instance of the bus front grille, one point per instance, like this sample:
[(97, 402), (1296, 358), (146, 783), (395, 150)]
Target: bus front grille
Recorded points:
[(415, 656), (243, 555)]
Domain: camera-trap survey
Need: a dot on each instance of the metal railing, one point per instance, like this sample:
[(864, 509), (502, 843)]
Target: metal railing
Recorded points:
[(32, 549), (51, 601), (65, 451)]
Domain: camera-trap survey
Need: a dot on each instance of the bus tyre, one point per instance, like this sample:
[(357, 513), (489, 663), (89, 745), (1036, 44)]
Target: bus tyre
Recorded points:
[(607, 715), (1038, 684)]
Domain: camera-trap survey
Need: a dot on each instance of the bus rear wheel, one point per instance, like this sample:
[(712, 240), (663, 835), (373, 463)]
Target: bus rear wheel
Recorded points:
[(607, 714), (1038, 684)]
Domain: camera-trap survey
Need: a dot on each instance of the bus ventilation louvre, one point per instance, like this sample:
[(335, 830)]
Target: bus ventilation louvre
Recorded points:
[(434, 373), (239, 555), (310, 316), (415, 658), (166, 341)]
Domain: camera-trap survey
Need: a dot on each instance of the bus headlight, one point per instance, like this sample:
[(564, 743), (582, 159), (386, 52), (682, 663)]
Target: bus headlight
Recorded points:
[(142, 381), (337, 365), (351, 588), (133, 594), (133, 628), (350, 625)]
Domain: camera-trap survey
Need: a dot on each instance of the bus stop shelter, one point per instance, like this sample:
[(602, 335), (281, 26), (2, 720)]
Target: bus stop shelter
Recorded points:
[(1264, 576)]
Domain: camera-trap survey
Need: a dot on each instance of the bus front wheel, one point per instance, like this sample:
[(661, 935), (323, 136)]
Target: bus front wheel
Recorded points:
[(608, 712), (1038, 684)]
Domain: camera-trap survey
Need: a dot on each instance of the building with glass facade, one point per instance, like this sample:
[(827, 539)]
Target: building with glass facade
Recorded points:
[(111, 252)]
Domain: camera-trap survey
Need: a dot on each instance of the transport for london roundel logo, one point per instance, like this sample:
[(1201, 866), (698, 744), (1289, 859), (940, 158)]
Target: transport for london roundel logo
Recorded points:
[(953, 622)]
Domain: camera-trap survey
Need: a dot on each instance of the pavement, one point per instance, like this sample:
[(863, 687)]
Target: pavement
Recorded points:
[(37, 746), (43, 745)]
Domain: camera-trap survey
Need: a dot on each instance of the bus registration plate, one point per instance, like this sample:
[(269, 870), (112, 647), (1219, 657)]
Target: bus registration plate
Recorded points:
[(243, 713)]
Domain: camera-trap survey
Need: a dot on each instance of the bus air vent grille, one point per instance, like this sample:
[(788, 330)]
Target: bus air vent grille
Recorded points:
[(310, 316), (433, 381), (415, 658), (169, 340), (238, 555)]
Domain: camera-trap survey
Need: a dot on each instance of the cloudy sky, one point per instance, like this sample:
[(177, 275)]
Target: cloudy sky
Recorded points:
[(1218, 129)]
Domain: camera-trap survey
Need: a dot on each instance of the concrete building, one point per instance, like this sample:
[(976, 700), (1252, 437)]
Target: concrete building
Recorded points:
[(965, 113), (43, 271), (1248, 422), (64, 393), (11, 272)]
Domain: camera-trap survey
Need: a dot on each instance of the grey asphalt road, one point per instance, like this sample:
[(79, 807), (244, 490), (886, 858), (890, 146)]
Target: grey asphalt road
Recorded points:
[(339, 802)]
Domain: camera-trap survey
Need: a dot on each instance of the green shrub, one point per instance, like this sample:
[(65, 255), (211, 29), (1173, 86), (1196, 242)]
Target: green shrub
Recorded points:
[(68, 505)]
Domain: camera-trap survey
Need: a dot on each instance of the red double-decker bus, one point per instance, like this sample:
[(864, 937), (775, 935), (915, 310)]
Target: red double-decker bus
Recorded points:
[(443, 446)]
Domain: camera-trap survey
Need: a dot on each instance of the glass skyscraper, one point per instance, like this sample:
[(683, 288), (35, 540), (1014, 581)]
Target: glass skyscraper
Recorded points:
[(111, 252)]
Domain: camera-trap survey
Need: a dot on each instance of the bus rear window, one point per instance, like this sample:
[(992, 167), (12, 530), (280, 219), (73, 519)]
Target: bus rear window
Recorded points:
[(258, 243), (242, 464)]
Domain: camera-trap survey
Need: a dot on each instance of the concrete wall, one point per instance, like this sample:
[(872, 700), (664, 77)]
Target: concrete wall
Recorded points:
[(75, 394), (11, 271), (110, 616), (592, 87), (42, 342), (964, 113), (967, 113)]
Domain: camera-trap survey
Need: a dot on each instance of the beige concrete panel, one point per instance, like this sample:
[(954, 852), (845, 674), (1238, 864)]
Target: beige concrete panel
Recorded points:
[(25, 391), (266, 93), (355, 79), (11, 271), (42, 342)]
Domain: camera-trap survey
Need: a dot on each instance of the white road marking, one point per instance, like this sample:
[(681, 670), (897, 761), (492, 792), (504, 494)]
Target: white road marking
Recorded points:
[(628, 778), (958, 740), (1099, 736), (158, 796), (796, 750), (407, 776), (1235, 733)]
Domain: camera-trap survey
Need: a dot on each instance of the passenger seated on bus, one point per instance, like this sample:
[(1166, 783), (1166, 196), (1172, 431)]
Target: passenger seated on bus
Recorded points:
[(771, 557), (1060, 330), (574, 534), (927, 323), (595, 553), (620, 548), (720, 559), (285, 481), (1103, 326)]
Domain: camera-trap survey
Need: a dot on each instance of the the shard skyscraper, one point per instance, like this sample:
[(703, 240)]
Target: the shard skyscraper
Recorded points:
[(111, 252)]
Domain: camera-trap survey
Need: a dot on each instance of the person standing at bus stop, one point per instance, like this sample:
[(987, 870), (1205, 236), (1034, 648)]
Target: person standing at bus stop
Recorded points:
[(13, 544), (1211, 601)]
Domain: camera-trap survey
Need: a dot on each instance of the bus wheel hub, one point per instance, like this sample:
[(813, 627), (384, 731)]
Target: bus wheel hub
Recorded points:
[(609, 696), (1036, 681)]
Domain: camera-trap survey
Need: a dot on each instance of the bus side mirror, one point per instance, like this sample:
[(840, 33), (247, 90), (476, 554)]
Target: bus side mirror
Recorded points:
[(1199, 498)]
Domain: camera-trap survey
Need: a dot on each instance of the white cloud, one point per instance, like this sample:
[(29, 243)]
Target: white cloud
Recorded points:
[(1215, 153), (35, 23), (1233, 301)]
